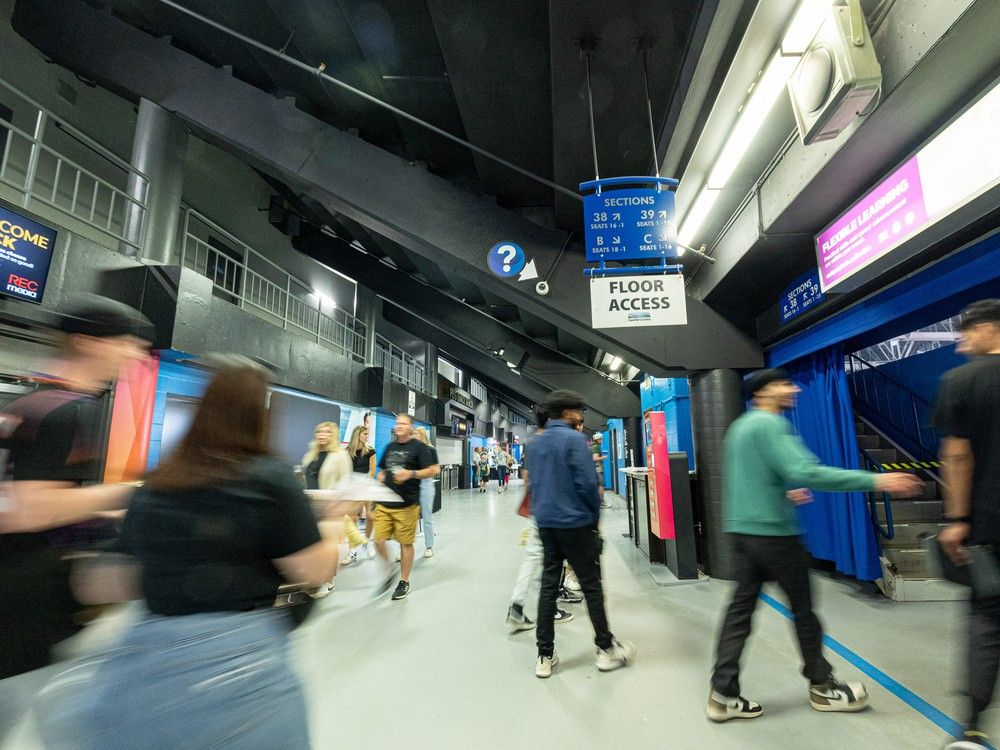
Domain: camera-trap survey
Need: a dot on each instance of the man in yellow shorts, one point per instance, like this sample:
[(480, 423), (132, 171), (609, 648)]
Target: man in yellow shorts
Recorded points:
[(404, 463)]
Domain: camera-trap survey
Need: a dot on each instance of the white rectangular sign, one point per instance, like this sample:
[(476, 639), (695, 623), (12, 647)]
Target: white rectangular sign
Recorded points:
[(411, 405), (629, 301)]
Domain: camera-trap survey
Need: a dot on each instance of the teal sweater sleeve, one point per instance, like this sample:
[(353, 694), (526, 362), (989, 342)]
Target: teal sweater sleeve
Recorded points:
[(786, 455)]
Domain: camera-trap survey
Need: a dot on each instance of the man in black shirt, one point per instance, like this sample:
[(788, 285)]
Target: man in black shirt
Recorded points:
[(404, 463), (968, 419), (51, 441)]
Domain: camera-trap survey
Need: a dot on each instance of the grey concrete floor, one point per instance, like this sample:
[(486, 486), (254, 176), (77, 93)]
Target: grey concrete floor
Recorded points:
[(438, 670)]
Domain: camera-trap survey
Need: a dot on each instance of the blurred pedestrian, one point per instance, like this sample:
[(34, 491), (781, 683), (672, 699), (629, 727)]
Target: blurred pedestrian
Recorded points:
[(427, 495), (362, 457)]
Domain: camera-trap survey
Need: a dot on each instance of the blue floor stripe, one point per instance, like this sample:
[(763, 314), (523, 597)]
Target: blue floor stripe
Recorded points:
[(906, 695)]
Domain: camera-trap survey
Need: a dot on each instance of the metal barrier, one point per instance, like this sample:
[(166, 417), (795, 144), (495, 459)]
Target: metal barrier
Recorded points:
[(889, 532), (37, 167), (398, 364), (248, 279), (893, 407)]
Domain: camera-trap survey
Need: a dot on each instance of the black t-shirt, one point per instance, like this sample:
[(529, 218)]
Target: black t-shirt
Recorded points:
[(210, 549), (409, 455), (51, 434), (969, 407), (311, 471), (362, 461)]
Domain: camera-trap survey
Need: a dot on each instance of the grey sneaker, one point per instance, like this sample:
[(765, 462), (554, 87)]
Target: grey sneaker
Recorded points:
[(621, 654), (722, 708), (838, 696), (569, 597), (545, 665), (518, 621), (563, 616)]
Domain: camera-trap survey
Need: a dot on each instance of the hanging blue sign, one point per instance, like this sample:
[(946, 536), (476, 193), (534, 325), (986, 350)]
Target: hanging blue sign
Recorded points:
[(506, 259), (633, 223), (25, 254), (805, 292)]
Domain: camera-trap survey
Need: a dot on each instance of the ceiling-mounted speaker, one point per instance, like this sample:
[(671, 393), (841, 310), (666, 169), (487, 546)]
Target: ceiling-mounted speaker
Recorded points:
[(837, 77)]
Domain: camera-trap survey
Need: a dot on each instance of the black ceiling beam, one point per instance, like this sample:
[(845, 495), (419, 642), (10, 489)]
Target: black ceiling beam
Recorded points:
[(424, 213), (480, 331)]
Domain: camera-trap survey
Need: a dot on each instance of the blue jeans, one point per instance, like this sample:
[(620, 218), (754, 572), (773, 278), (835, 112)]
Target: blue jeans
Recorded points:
[(427, 510), (206, 680)]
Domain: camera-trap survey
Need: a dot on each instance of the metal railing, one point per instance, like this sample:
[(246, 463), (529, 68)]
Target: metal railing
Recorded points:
[(889, 532), (398, 364), (893, 408), (246, 278), (108, 196)]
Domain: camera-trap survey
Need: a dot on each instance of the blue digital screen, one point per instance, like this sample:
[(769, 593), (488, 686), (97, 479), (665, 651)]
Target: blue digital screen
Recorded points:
[(803, 293)]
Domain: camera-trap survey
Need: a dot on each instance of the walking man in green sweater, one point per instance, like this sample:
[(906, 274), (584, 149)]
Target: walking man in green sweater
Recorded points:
[(767, 467)]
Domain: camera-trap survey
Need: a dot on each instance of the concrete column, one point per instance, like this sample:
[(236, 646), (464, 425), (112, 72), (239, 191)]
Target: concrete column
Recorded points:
[(431, 368), (368, 311), (716, 401), (158, 151)]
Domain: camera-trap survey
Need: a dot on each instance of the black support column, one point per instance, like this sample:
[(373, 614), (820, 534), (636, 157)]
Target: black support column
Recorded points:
[(716, 400)]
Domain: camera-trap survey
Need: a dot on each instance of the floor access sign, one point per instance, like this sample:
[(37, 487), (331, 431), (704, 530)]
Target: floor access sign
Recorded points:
[(627, 301)]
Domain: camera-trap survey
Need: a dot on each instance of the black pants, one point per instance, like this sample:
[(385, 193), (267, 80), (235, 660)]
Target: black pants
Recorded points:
[(581, 548), (984, 656), (785, 560)]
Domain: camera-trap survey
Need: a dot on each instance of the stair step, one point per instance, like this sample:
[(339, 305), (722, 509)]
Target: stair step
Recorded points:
[(885, 455), (869, 442), (907, 535), (910, 511), (911, 563)]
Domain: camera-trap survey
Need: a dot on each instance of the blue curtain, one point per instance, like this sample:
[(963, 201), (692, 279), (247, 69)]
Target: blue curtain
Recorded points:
[(837, 525)]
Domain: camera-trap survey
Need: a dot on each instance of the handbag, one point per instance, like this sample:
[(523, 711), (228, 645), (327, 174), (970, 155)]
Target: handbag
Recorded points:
[(524, 509)]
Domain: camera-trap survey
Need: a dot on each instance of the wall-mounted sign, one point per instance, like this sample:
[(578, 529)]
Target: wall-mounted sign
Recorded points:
[(506, 259), (458, 395), (629, 224), (803, 293), (411, 403), (959, 164), (25, 255), (629, 301)]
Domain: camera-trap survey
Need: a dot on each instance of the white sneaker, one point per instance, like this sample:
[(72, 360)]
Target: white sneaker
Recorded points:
[(721, 708), (621, 653), (545, 664), (350, 559), (572, 583), (323, 591), (971, 741), (429, 552), (370, 550), (838, 696)]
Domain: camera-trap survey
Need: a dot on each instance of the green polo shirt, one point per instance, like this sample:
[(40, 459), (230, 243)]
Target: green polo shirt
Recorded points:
[(764, 458)]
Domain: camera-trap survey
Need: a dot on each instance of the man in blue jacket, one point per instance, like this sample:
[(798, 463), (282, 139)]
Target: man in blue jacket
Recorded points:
[(566, 506)]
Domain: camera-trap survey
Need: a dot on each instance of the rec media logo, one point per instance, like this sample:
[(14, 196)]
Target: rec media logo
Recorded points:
[(22, 286)]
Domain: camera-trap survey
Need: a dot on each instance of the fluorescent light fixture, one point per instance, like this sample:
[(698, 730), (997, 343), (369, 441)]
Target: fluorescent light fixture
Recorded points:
[(616, 363), (696, 216), (769, 87), (806, 22), (766, 92)]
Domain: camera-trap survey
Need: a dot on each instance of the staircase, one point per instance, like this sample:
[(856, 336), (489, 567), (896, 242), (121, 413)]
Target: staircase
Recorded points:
[(904, 569)]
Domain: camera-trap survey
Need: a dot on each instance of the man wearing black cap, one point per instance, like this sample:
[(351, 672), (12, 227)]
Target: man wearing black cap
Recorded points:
[(51, 441), (765, 464), (968, 418)]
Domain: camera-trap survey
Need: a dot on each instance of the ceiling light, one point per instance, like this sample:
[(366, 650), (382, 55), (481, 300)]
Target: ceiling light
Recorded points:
[(616, 363), (765, 93)]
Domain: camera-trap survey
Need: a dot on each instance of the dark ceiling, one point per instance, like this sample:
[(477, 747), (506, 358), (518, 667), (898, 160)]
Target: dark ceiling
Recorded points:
[(508, 77)]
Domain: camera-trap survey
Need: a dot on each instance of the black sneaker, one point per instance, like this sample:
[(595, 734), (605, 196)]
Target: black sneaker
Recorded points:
[(569, 597), (563, 616), (402, 590)]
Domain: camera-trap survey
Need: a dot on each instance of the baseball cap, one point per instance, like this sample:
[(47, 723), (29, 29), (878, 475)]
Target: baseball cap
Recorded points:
[(763, 378)]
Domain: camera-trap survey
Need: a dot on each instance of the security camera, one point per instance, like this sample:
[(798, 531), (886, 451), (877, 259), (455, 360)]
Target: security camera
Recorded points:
[(542, 288)]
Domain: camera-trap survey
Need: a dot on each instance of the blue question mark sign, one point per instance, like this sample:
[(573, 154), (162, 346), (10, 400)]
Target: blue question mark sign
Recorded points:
[(506, 259)]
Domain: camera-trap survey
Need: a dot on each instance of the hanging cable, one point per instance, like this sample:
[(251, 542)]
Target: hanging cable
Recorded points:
[(649, 112), (590, 108), (320, 71)]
